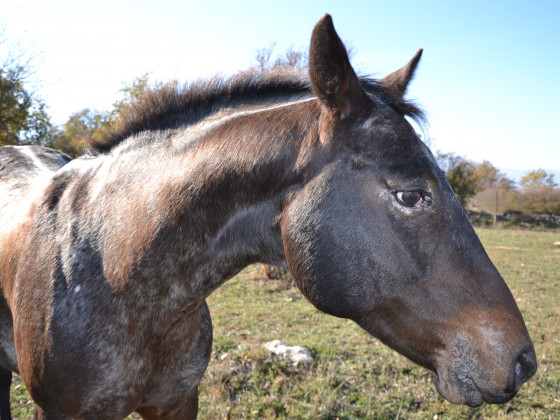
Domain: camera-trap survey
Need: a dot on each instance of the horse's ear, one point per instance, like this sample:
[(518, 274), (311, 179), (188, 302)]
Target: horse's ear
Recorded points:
[(333, 79), (398, 81)]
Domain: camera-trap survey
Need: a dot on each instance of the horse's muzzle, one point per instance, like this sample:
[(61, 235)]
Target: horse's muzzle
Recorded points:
[(472, 385)]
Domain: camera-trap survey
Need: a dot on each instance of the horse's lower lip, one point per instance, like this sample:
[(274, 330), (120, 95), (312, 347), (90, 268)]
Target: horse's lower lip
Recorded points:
[(471, 394), (463, 391)]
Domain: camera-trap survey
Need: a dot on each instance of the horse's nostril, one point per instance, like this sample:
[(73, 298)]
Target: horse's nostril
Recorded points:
[(524, 368)]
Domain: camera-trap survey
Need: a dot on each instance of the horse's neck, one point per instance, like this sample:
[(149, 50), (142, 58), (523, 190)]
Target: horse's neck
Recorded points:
[(203, 214)]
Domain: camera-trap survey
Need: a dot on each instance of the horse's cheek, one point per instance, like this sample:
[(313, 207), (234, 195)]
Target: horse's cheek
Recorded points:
[(333, 278)]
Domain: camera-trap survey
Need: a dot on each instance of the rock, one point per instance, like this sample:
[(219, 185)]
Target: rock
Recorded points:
[(296, 354)]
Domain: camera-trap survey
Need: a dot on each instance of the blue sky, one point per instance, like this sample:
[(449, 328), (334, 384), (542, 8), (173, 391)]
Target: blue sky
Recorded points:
[(488, 78)]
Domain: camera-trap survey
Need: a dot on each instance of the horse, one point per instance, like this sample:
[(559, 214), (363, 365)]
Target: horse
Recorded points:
[(106, 260)]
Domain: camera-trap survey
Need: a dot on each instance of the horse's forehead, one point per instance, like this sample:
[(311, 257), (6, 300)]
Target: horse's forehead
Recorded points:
[(378, 119), (380, 116), (389, 136)]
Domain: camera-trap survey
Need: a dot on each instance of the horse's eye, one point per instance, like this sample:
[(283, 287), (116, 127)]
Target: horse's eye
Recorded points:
[(412, 198)]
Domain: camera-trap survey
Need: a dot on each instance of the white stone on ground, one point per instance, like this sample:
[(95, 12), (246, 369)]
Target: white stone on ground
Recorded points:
[(296, 354)]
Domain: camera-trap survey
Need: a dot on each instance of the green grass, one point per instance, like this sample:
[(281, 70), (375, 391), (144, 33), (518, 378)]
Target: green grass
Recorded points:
[(353, 376)]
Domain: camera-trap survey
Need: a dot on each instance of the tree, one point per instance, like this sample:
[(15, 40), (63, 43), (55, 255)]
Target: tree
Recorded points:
[(468, 178), (129, 94), (23, 116), (292, 58), (89, 123), (493, 188), (489, 176), (537, 178), (262, 57), (80, 126), (539, 192), (461, 175)]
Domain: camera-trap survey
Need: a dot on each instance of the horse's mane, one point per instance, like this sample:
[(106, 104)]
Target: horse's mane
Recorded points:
[(172, 105)]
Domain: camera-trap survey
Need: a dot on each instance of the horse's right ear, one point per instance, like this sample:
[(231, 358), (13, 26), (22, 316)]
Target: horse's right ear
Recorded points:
[(333, 79)]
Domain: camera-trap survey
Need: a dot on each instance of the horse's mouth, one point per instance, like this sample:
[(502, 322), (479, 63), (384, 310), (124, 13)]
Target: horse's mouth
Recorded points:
[(461, 388)]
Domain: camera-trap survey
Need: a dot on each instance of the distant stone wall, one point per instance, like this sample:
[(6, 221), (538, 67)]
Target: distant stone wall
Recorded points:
[(515, 219)]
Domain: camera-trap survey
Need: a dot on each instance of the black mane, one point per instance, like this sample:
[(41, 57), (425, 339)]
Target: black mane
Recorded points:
[(172, 105)]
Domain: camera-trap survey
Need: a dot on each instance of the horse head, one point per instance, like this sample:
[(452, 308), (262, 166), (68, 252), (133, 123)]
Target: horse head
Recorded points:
[(378, 236)]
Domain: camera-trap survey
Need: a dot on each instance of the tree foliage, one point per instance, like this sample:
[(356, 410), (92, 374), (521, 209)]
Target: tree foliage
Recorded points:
[(130, 93), (468, 178), (461, 175), (23, 115), (539, 193), (70, 139), (537, 178), (488, 176), (89, 123)]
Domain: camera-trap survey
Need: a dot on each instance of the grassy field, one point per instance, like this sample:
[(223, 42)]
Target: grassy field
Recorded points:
[(354, 376)]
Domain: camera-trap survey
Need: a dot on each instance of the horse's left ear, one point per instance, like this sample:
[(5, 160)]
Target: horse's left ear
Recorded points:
[(398, 81), (332, 77)]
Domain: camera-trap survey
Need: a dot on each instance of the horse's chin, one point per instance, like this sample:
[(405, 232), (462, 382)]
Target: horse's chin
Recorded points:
[(459, 387)]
